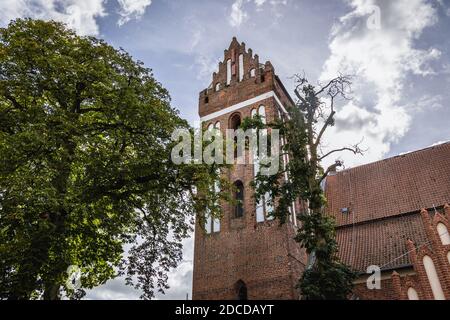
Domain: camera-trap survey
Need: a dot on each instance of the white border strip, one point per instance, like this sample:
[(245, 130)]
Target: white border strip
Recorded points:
[(244, 104)]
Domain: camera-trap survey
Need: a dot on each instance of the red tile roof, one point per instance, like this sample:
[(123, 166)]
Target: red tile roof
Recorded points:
[(381, 242), (389, 187), (384, 199)]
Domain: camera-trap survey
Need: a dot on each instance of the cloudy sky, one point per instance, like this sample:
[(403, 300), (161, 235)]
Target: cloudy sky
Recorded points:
[(398, 51)]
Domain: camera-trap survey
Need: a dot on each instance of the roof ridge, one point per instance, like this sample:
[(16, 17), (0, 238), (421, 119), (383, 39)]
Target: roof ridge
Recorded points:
[(394, 157)]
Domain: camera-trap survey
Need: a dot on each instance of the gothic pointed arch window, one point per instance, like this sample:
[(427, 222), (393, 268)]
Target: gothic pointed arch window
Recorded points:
[(228, 72), (235, 123), (239, 199), (433, 278), (241, 67), (443, 233), (216, 221), (241, 290), (212, 225), (262, 113), (264, 206)]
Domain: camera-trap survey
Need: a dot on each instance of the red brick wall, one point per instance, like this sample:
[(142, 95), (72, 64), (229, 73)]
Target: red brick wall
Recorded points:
[(263, 255), (386, 292), (256, 254), (396, 287)]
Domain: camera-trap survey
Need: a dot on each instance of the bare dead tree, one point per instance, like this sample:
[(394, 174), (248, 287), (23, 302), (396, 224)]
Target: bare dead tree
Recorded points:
[(318, 107)]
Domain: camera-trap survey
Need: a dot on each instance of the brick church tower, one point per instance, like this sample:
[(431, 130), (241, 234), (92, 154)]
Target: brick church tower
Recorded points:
[(245, 254)]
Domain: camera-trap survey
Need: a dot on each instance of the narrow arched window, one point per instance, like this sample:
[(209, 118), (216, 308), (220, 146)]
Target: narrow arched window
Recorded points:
[(239, 199), (252, 72), (217, 86), (216, 221), (260, 203), (433, 278), (262, 113), (213, 224), (235, 123), (264, 207), (443, 233), (241, 67), (412, 294), (241, 290), (208, 222), (228, 71)]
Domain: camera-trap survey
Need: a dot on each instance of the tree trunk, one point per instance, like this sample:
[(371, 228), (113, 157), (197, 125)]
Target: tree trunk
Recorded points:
[(51, 292)]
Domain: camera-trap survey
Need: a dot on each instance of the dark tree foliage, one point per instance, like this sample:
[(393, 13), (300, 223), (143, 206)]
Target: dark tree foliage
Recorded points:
[(85, 168)]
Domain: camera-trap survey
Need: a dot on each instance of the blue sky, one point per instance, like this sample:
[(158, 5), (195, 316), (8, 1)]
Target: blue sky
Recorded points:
[(401, 63)]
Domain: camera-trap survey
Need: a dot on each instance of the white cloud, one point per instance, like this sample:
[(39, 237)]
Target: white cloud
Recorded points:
[(205, 62), (238, 15), (77, 14), (427, 103), (132, 9), (114, 289), (381, 60), (205, 66)]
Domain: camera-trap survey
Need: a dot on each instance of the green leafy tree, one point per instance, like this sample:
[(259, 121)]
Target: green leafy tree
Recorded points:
[(85, 167), (302, 128)]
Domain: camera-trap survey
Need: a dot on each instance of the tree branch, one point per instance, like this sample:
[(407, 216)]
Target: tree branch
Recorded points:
[(328, 122), (299, 96), (333, 167), (355, 149), (332, 81)]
